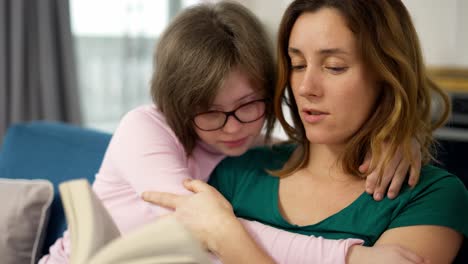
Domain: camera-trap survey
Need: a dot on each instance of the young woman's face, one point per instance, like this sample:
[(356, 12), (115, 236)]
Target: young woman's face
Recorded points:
[(234, 138), (334, 91)]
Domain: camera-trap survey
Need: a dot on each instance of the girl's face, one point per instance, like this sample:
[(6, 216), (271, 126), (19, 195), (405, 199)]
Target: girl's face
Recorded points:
[(334, 91), (235, 137)]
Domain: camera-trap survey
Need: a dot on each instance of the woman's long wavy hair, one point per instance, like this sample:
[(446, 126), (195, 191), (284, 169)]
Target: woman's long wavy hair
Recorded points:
[(389, 44)]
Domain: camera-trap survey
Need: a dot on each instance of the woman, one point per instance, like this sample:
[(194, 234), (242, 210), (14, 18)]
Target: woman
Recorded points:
[(354, 73)]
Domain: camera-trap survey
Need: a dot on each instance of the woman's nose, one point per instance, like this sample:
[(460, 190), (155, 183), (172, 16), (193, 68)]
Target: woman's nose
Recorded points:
[(311, 84)]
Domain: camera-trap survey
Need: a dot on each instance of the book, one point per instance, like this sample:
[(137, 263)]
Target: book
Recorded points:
[(95, 238)]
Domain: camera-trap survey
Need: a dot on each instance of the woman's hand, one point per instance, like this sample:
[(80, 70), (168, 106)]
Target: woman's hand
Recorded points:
[(205, 213), (210, 218), (382, 254), (395, 173)]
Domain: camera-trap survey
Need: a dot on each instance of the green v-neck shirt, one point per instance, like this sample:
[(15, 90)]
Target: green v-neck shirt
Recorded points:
[(439, 198)]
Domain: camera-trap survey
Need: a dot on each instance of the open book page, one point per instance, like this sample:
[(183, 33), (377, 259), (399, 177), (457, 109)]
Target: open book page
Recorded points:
[(95, 238), (163, 241), (91, 227)]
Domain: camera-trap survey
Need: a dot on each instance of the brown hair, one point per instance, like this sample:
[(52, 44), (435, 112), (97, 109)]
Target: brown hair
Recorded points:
[(197, 51), (390, 47)]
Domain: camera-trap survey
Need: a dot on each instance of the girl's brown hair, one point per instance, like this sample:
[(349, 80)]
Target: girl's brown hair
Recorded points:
[(197, 51), (388, 42)]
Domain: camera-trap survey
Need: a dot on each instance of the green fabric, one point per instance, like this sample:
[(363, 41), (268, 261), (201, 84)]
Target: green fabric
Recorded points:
[(440, 198)]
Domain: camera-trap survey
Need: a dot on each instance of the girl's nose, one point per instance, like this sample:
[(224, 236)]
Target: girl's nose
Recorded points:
[(232, 125)]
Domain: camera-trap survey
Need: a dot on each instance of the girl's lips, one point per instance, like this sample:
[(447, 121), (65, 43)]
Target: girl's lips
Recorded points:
[(235, 143)]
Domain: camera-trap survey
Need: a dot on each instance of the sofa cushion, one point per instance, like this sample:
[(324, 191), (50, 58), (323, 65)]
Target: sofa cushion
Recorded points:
[(23, 218), (53, 151)]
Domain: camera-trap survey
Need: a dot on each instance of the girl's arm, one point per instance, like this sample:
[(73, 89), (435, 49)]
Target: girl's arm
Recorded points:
[(394, 175), (146, 154), (142, 154)]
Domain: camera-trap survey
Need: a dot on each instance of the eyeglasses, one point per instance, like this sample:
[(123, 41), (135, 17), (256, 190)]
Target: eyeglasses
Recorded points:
[(246, 113)]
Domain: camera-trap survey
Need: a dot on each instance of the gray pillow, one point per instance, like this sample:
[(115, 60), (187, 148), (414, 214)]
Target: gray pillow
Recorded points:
[(23, 218)]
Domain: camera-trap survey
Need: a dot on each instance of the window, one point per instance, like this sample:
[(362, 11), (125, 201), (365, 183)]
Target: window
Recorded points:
[(114, 43)]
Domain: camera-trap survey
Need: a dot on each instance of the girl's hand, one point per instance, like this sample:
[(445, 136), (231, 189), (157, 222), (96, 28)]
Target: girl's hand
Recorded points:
[(205, 213), (383, 254), (395, 173)]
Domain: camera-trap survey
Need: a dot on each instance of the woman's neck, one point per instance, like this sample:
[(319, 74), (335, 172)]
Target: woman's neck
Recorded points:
[(326, 160)]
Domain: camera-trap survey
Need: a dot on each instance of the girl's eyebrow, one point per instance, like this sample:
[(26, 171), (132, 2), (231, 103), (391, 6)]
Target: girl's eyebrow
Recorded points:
[(240, 99), (246, 96)]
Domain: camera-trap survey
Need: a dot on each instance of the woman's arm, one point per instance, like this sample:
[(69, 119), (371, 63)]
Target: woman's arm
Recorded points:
[(433, 220), (437, 244), (386, 253), (211, 219)]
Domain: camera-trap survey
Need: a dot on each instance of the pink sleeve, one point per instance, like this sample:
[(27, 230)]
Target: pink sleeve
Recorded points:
[(148, 154), (282, 246), (59, 252), (287, 247)]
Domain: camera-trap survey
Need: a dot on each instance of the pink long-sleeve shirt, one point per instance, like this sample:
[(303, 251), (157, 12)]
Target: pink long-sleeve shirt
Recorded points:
[(145, 154)]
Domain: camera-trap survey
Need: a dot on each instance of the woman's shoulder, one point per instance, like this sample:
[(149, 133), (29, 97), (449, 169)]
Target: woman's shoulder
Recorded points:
[(250, 170), (435, 177), (441, 185), (264, 157), (253, 164), (440, 198)]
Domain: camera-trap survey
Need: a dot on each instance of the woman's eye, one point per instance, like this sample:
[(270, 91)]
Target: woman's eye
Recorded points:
[(336, 70), (297, 67)]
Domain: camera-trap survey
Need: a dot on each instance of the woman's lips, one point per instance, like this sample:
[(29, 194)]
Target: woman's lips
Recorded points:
[(313, 116)]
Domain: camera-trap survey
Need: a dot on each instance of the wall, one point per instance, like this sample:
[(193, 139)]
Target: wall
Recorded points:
[(441, 26)]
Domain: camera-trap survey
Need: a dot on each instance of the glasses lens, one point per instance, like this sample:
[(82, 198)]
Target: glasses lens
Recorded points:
[(209, 120), (251, 111)]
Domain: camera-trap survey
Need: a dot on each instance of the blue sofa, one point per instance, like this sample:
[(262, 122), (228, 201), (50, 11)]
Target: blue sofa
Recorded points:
[(53, 151), (60, 152)]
